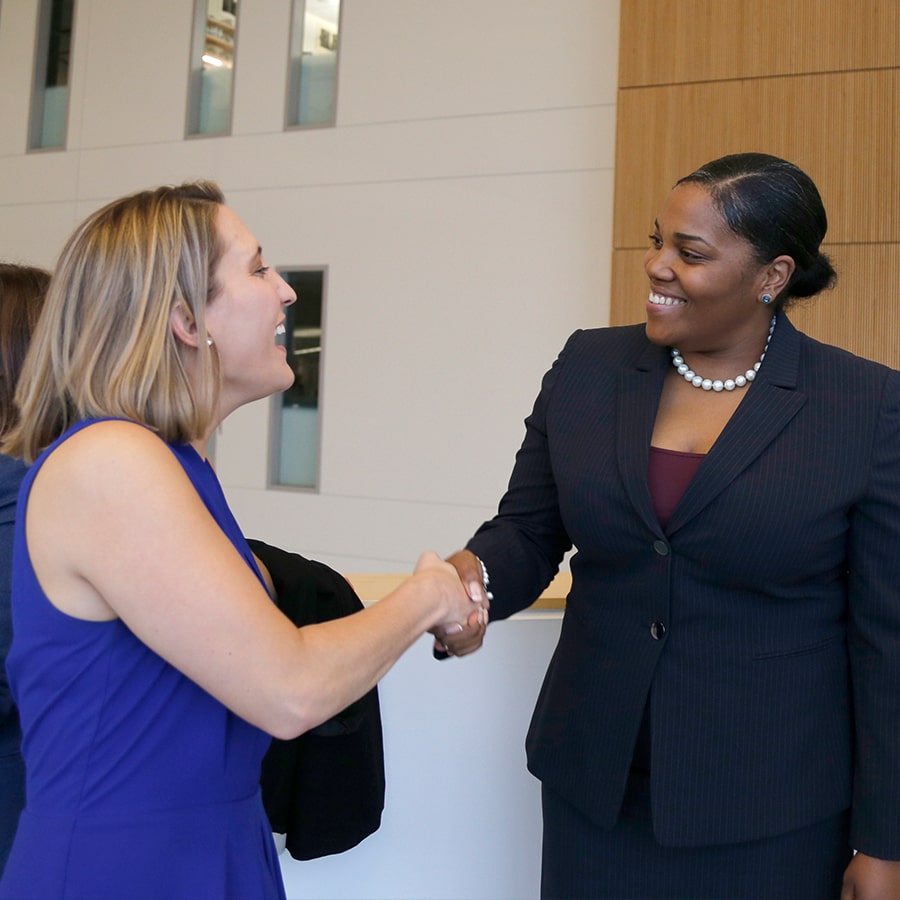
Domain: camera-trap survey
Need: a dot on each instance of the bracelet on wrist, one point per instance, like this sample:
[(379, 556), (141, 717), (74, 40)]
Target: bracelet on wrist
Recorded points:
[(485, 578)]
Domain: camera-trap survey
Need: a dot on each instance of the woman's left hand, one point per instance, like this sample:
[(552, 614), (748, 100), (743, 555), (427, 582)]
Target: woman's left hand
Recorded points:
[(869, 878)]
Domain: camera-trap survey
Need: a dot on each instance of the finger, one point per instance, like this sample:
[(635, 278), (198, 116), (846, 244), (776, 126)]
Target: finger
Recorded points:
[(457, 631), (470, 645), (468, 641)]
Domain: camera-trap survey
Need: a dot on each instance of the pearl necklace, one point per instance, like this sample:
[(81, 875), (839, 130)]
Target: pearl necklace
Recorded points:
[(707, 384)]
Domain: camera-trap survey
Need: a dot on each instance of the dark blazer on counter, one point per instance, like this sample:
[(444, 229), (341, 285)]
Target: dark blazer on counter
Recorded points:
[(323, 790), (763, 624)]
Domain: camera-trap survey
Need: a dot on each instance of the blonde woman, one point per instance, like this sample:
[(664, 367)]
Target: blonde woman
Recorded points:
[(149, 663)]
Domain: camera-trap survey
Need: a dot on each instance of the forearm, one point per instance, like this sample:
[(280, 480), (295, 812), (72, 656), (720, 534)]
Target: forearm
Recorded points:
[(340, 660), (519, 569)]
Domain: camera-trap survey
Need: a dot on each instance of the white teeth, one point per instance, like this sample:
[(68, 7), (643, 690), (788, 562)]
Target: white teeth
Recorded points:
[(662, 300), (280, 329)]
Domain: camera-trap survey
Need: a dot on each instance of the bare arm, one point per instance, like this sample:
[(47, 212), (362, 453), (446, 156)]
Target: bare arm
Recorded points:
[(116, 529)]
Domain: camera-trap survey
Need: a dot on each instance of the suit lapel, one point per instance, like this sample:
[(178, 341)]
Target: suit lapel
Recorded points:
[(640, 387), (771, 402)]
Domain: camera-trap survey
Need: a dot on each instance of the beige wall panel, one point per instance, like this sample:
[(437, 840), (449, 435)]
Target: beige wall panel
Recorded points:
[(860, 314), (408, 59), (841, 128), (18, 27), (129, 73), (263, 38), (710, 40)]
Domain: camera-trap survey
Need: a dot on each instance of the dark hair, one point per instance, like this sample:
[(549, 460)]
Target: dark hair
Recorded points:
[(774, 206), (22, 290)]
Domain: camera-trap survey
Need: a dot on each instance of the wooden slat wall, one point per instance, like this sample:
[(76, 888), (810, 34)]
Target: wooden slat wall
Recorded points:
[(814, 82)]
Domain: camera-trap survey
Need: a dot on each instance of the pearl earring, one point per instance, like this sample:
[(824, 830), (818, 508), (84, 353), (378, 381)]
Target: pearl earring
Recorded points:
[(209, 342), (766, 298)]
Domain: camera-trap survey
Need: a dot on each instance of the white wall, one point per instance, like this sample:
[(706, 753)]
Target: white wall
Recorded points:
[(463, 206)]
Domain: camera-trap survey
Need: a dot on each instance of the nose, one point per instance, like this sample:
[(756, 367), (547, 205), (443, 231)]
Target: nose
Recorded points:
[(286, 293), (656, 264)]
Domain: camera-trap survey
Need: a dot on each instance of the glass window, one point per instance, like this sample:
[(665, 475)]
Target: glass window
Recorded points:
[(212, 66), (296, 415), (50, 99), (313, 62)]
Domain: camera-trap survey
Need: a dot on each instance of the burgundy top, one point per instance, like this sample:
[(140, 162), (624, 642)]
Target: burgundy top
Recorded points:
[(670, 473)]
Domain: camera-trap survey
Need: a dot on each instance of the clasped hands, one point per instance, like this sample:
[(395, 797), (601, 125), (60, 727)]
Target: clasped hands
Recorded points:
[(460, 638)]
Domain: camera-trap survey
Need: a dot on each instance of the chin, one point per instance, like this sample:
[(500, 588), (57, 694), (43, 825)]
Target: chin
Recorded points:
[(289, 380), (657, 335)]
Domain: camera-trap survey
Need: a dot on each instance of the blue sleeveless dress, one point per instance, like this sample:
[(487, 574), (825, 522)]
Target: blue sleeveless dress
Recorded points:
[(139, 783)]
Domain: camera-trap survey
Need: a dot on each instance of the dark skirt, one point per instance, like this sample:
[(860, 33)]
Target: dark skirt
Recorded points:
[(582, 860)]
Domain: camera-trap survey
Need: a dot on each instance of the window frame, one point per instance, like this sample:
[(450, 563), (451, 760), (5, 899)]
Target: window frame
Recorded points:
[(276, 402), (194, 106), (39, 86), (291, 98)]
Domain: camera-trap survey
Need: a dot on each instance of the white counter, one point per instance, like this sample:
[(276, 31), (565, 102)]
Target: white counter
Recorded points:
[(462, 815)]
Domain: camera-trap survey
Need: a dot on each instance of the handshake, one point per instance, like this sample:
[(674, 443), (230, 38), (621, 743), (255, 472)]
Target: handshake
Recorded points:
[(465, 579)]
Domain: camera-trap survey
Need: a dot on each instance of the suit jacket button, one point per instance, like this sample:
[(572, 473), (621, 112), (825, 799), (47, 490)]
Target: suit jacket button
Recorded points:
[(661, 547), (657, 630)]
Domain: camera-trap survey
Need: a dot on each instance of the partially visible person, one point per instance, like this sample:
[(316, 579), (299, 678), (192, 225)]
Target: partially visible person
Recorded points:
[(22, 290), (149, 663), (721, 716)]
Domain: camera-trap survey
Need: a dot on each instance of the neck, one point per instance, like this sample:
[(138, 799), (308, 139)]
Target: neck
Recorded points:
[(719, 375)]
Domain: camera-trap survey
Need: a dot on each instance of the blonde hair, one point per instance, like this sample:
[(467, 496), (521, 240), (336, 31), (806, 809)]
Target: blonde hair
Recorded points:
[(104, 345)]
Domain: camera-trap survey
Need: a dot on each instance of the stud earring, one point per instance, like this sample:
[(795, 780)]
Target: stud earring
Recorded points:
[(766, 298), (209, 342)]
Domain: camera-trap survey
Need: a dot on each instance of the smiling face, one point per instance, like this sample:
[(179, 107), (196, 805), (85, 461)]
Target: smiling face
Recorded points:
[(245, 319), (705, 282)]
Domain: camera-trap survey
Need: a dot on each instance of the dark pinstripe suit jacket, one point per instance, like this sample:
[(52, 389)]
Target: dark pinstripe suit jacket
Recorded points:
[(775, 688)]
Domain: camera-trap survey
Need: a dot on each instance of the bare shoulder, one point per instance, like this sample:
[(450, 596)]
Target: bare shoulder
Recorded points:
[(109, 464), (99, 501), (109, 449)]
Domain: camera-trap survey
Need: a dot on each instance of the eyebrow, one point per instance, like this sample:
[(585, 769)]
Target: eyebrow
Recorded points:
[(691, 237), (681, 236)]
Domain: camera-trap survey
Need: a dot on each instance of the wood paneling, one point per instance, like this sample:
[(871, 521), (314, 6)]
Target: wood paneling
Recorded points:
[(679, 41), (843, 129)]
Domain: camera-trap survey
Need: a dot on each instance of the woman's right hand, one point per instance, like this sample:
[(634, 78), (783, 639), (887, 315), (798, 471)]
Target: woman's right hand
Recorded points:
[(466, 635), (459, 602)]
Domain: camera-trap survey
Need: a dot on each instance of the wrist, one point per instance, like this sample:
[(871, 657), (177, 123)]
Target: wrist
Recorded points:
[(485, 577)]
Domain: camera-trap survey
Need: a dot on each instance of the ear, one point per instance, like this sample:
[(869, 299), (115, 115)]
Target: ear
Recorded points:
[(777, 274), (183, 325)]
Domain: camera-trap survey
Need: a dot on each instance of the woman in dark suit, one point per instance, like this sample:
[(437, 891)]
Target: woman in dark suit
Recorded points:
[(721, 717)]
